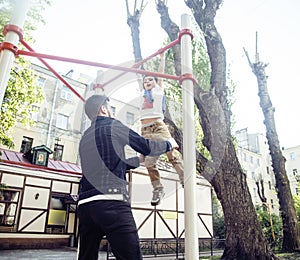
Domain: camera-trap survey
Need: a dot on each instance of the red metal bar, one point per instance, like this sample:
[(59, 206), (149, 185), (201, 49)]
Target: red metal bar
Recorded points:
[(124, 69), (97, 64), (187, 76), (185, 31), (134, 69), (139, 63), (9, 46), (13, 28), (171, 44), (52, 70)]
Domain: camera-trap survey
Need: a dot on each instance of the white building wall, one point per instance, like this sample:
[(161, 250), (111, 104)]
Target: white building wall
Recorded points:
[(254, 156), (292, 165), (169, 214)]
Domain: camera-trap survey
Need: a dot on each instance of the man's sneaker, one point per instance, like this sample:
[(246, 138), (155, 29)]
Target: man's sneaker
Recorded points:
[(157, 196)]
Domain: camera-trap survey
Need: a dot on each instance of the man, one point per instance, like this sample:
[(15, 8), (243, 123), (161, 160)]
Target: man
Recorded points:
[(154, 128), (103, 205)]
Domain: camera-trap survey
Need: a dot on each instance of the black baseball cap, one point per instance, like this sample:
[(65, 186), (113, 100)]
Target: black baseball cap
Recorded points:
[(93, 105)]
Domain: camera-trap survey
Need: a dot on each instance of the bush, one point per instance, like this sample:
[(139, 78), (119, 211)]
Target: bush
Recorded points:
[(271, 225)]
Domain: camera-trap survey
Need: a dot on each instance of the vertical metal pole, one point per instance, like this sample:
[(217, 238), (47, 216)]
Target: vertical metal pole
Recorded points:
[(189, 141), (7, 57), (57, 85)]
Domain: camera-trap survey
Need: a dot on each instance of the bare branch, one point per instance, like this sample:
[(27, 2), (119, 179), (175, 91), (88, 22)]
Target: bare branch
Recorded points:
[(127, 9), (249, 61)]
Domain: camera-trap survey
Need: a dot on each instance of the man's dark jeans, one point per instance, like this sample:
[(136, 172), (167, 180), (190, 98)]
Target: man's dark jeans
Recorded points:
[(114, 219)]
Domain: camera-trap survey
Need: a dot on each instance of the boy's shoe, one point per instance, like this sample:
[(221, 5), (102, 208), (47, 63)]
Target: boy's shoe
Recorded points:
[(182, 183), (157, 196)]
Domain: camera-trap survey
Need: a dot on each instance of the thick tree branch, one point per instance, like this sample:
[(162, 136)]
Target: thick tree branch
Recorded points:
[(134, 22), (172, 30)]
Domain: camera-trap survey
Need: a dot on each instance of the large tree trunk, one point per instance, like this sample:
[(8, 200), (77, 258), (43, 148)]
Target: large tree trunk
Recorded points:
[(244, 235), (291, 233)]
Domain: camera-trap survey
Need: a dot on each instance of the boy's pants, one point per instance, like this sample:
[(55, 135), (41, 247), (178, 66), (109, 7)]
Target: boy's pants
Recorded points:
[(158, 131)]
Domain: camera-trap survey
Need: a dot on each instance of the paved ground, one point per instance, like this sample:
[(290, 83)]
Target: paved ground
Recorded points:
[(57, 254), (46, 254), (54, 254)]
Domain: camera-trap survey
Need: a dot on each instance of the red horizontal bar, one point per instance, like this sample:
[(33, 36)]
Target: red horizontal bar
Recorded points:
[(97, 64), (139, 63)]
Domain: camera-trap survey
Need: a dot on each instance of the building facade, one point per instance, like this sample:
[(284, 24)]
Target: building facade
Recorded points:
[(37, 208), (254, 157), (57, 121), (292, 166)]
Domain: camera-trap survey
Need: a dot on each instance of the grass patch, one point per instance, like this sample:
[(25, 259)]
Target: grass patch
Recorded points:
[(210, 257), (289, 256), (282, 256)]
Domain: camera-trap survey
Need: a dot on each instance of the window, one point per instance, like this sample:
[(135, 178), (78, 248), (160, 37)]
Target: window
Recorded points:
[(272, 204), (295, 172), (254, 193), (113, 110), (292, 156), (61, 206), (41, 158), (8, 207), (26, 144), (58, 152), (91, 86), (66, 93), (129, 118), (35, 113), (57, 215), (62, 121), (41, 82), (244, 157)]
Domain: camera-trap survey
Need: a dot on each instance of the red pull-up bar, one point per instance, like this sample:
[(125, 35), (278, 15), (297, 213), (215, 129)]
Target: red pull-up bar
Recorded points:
[(139, 63), (134, 69), (14, 49), (96, 64)]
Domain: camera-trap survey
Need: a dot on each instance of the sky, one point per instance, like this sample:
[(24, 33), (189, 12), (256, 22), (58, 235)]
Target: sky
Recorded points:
[(96, 30)]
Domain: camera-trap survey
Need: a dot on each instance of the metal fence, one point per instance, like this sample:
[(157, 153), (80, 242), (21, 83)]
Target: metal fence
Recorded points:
[(152, 248)]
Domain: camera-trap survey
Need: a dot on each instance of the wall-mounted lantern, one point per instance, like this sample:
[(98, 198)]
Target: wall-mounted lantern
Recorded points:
[(38, 155)]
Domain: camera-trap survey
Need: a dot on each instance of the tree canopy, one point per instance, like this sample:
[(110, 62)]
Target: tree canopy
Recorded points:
[(22, 91)]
